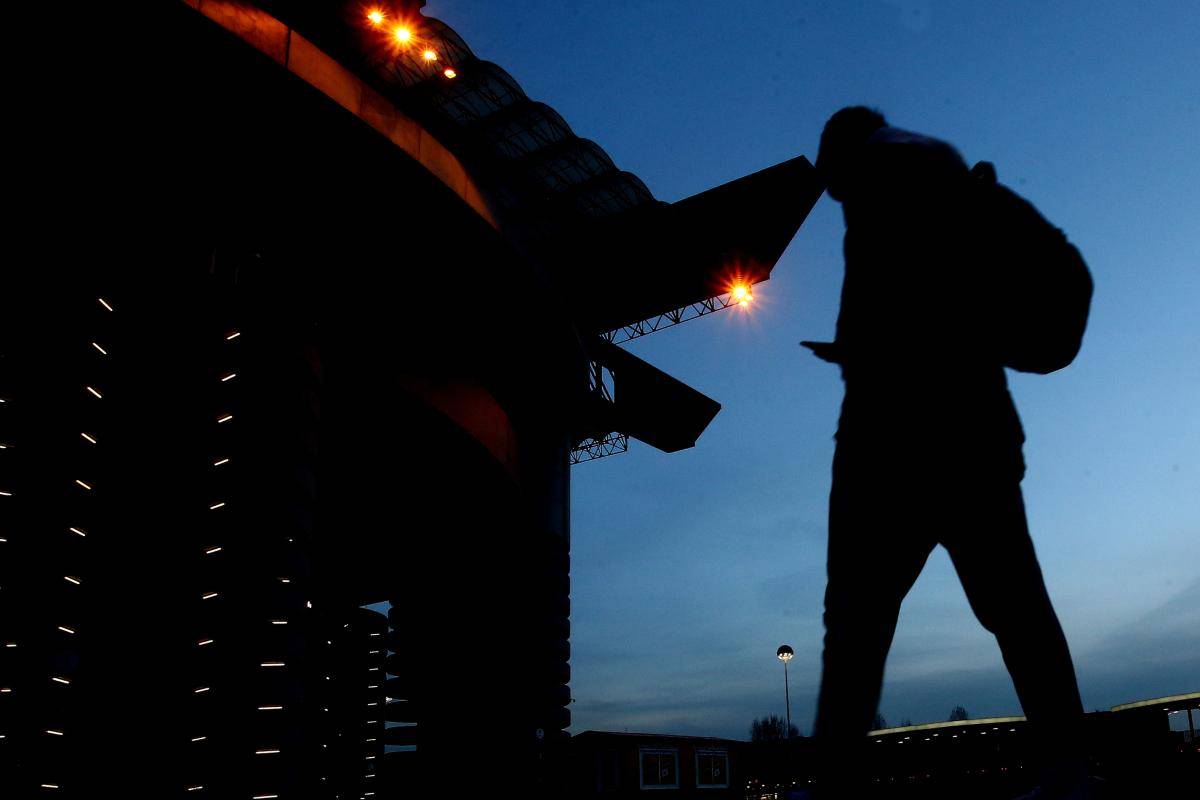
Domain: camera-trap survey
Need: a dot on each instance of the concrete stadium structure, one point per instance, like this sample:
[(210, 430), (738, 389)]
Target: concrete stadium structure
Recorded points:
[(322, 310)]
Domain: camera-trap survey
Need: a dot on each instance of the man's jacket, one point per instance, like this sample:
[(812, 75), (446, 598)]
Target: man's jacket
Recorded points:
[(916, 367)]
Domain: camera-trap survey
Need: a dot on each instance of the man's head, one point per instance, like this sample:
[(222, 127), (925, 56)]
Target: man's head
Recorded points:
[(845, 133)]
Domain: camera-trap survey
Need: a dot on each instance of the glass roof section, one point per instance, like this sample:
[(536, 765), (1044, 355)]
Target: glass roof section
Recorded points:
[(523, 150)]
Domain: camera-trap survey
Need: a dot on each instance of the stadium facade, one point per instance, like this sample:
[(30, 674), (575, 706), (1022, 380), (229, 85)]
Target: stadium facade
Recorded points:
[(322, 310)]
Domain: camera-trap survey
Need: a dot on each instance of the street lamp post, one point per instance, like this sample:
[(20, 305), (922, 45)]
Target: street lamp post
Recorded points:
[(786, 654)]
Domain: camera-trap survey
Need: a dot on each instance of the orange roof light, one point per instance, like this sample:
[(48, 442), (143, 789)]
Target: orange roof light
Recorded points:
[(375, 17), (402, 34), (449, 73), (430, 55), (741, 294)]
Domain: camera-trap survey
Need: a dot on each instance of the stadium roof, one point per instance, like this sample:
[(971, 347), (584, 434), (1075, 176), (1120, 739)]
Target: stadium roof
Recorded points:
[(596, 226)]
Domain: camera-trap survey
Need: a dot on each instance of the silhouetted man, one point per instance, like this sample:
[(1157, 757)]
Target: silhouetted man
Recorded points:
[(928, 444)]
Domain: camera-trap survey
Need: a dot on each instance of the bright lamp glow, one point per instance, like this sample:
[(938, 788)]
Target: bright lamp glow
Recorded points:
[(430, 55), (449, 73), (402, 35), (375, 17), (741, 294)]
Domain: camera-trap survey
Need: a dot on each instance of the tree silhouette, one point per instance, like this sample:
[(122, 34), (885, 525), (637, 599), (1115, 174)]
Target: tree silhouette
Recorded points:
[(958, 714), (771, 729)]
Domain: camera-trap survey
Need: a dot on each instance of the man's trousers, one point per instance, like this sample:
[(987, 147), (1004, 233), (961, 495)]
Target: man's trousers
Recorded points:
[(887, 512)]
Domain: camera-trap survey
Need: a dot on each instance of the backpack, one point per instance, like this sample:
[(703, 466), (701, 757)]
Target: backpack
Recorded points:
[(1044, 292)]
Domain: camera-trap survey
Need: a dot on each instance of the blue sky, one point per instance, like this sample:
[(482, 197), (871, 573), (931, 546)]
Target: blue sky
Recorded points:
[(690, 569)]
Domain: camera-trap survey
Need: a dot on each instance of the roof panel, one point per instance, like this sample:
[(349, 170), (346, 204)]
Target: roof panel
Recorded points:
[(522, 148)]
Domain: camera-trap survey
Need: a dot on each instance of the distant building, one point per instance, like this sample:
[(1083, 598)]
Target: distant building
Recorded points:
[(1138, 744), (619, 765)]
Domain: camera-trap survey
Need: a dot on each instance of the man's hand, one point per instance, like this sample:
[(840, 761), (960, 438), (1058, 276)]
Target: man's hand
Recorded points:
[(826, 351)]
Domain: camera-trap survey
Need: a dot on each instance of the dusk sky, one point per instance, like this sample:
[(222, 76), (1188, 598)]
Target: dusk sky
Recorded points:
[(688, 570)]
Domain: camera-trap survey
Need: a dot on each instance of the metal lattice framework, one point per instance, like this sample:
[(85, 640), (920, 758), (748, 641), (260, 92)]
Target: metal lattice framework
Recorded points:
[(679, 315), (608, 445)]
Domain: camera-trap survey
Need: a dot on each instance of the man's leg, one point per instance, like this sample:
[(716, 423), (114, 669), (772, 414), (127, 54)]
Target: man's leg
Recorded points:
[(995, 560), (876, 552)]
